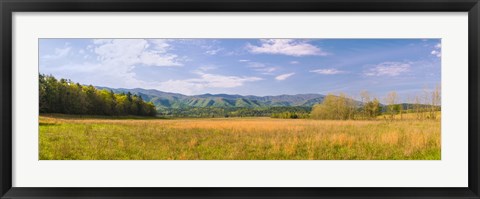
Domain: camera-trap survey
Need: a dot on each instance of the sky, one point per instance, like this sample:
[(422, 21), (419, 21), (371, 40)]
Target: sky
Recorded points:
[(248, 66)]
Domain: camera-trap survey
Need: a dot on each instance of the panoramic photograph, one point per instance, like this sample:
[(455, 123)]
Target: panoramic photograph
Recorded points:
[(239, 99)]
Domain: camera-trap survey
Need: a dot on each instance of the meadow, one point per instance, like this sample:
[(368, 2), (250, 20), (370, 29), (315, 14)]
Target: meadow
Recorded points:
[(66, 137)]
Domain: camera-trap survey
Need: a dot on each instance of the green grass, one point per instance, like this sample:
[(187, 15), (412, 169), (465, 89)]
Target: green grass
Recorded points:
[(64, 137)]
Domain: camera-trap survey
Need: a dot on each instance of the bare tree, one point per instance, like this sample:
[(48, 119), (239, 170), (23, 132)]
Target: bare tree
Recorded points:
[(426, 102), (435, 102), (419, 108), (365, 97), (392, 100)]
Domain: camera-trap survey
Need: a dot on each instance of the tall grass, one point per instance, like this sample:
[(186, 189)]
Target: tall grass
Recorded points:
[(71, 138)]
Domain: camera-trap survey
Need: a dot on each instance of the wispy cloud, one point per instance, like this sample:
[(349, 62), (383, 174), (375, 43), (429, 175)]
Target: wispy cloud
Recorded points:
[(284, 76), (211, 47), (388, 69), (205, 80), (213, 51), (285, 47), (243, 60), (294, 62), (330, 71), (256, 65), (261, 67), (207, 68), (266, 71)]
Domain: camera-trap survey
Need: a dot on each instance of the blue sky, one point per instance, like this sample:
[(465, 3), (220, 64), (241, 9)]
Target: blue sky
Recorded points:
[(248, 66)]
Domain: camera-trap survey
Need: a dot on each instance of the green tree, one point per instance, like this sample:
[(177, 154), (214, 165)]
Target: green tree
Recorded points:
[(335, 108)]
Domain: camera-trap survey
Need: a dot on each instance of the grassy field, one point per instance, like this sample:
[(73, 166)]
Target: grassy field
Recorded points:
[(73, 138)]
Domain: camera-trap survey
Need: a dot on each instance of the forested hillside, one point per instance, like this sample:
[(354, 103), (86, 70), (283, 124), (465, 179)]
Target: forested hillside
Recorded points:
[(166, 100), (225, 105)]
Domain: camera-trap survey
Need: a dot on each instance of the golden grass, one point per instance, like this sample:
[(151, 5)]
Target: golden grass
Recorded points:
[(68, 137)]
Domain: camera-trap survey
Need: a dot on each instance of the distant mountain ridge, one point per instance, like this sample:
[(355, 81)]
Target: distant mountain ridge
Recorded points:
[(175, 100)]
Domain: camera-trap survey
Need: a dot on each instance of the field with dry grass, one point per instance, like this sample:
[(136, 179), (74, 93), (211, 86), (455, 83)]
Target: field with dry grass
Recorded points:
[(64, 137)]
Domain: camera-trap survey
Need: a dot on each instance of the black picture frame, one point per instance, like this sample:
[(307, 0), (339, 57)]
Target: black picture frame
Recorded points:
[(7, 7)]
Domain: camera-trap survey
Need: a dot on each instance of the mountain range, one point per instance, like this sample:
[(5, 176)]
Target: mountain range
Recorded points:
[(175, 100)]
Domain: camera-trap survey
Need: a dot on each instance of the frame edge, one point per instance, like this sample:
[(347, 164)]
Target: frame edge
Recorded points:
[(6, 189), (474, 108), (5, 101)]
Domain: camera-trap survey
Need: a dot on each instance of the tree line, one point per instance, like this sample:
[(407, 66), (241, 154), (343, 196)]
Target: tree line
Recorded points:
[(67, 97), (216, 112), (343, 107), (291, 115)]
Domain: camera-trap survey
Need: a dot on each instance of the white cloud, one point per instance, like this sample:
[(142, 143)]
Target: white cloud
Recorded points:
[(284, 76), (243, 60), (437, 50), (115, 61), (388, 69), (330, 71), (294, 62), (193, 85), (286, 47), (436, 53), (119, 57), (152, 58), (160, 45), (59, 53), (129, 52)]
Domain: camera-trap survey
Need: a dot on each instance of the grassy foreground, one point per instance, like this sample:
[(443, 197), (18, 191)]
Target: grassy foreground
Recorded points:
[(71, 138)]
